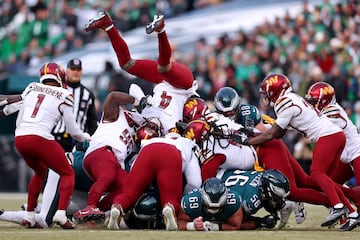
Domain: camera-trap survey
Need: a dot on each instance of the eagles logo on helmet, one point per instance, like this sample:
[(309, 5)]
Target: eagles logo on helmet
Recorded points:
[(274, 86), (320, 95), (226, 101), (274, 187), (53, 72), (214, 195)]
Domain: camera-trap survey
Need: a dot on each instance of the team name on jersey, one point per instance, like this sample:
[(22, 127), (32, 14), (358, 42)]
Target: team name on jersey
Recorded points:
[(48, 90)]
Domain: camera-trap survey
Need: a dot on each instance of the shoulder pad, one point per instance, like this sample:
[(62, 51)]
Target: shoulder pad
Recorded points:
[(282, 104), (69, 100)]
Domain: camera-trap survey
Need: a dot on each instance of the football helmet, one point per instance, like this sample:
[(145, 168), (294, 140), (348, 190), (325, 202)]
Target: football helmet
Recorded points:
[(274, 187), (273, 86), (226, 101), (320, 95), (53, 71), (194, 108), (149, 129), (198, 131), (248, 115), (214, 195)]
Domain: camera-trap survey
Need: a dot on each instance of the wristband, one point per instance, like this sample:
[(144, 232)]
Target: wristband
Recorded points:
[(190, 226)]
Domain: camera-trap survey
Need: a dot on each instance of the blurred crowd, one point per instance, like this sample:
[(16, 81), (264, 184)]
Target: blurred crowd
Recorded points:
[(34, 30), (320, 43)]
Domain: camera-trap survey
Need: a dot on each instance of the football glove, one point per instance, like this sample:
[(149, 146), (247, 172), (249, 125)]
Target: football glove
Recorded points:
[(269, 221), (240, 138), (144, 102), (12, 108)]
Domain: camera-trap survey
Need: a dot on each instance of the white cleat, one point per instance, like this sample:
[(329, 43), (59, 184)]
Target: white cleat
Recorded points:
[(285, 213), (170, 218), (115, 217), (300, 212)]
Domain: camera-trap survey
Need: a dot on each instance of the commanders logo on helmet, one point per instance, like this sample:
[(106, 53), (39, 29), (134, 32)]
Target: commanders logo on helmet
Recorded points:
[(273, 86), (320, 95), (53, 72), (194, 108)]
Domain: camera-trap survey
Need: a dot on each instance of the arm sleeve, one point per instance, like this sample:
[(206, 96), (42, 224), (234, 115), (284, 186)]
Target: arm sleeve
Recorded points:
[(92, 118), (72, 127)]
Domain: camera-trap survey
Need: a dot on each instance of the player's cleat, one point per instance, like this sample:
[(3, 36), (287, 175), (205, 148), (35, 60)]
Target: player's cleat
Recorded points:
[(334, 215), (157, 25), (90, 213), (101, 21), (300, 212), (170, 217), (115, 217), (36, 210), (2, 211), (351, 223), (285, 213)]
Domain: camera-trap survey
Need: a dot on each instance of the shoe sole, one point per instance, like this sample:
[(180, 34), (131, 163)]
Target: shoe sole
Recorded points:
[(333, 221), (91, 217), (152, 26), (169, 219), (114, 219), (88, 28)]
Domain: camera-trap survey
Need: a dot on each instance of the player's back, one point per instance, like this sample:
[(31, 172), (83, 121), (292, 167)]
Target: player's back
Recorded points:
[(246, 184), (293, 111), (41, 109)]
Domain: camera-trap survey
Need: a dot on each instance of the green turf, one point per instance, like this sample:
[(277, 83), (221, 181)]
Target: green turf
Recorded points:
[(310, 229)]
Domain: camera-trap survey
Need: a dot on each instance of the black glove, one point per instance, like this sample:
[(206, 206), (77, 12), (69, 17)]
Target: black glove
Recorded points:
[(180, 126), (240, 138), (269, 221), (247, 131), (144, 101)]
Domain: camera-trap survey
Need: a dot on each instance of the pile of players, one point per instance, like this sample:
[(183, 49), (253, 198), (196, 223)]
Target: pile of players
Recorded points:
[(167, 161)]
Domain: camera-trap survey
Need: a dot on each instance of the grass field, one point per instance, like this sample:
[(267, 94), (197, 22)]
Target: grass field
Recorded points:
[(310, 229)]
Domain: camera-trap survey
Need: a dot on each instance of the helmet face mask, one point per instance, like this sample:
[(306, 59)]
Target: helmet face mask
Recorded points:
[(149, 129), (274, 86), (227, 101), (320, 95), (214, 195), (194, 108)]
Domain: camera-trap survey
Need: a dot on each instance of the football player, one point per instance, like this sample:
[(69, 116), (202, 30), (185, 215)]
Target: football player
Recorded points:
[(44, 104), (321, 95), (174, 82), (292, 110), (163, 159), (104, 160)]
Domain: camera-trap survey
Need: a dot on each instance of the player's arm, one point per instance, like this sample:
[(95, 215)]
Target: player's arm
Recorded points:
[(112, 103), (234, 222), (185, 223), (274, 132), (8, 99)]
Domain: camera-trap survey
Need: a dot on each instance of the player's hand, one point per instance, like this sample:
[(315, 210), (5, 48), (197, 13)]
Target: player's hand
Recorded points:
[(145, 101), (240, 138), (269, 221), (199, 224)]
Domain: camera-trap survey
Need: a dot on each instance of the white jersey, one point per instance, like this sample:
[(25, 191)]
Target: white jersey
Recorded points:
[(118, 135), (168, 104), (190, 162), (293, 111), (337, 115), (43, 106), (237, 156)]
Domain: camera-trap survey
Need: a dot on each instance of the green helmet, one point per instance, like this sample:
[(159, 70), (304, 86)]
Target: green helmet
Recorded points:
[(248, 115), (226, 101), (214, 195), (274, 187)]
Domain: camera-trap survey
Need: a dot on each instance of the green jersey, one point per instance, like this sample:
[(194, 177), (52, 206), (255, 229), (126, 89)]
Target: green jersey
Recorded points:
[(193, 206), (246, 185)]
